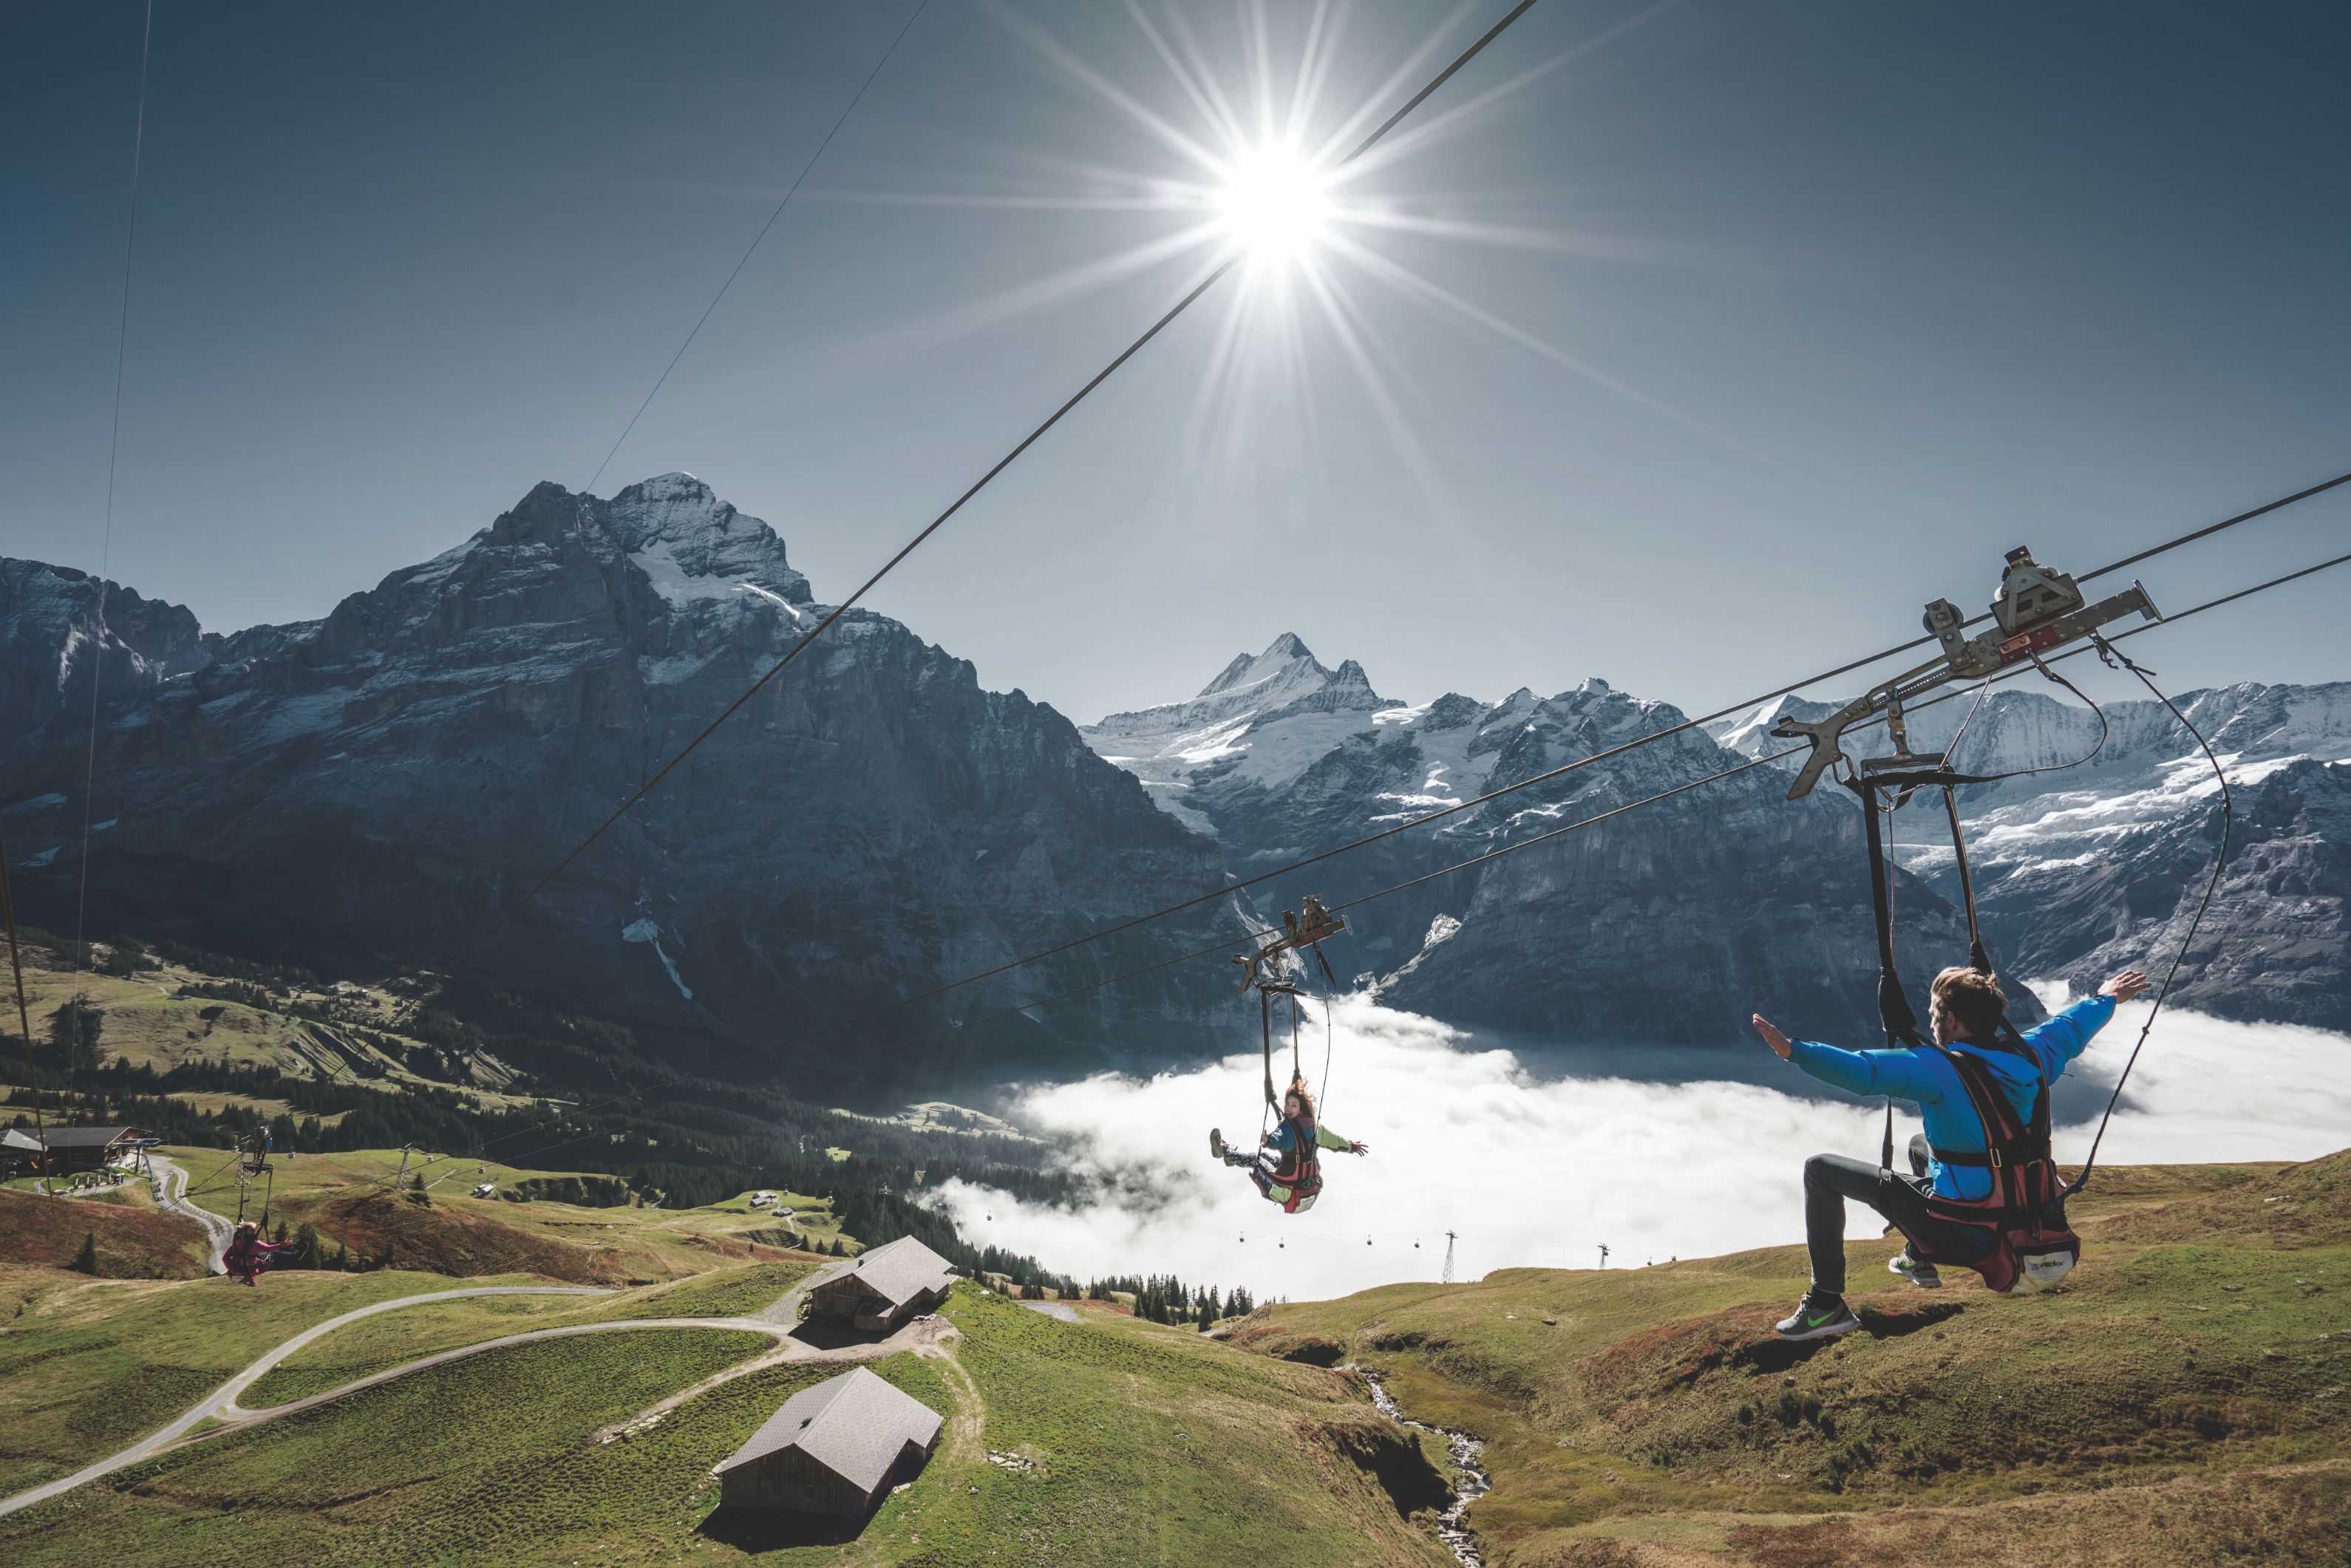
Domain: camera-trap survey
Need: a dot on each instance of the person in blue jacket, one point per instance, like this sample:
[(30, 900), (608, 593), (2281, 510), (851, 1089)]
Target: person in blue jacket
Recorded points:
[(1967, 1011)]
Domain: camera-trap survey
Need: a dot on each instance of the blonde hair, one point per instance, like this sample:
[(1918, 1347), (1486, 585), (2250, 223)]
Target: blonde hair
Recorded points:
[(1972, 997)]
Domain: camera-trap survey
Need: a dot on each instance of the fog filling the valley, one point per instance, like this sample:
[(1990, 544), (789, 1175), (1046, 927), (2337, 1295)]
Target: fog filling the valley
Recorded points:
[(1540, 1171)]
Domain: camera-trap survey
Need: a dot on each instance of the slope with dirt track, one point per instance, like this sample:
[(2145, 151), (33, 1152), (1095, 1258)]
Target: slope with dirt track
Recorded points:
[(221, 1409)]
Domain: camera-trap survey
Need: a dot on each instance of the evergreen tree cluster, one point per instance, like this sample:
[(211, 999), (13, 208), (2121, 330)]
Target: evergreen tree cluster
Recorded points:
[(1164, 1299)]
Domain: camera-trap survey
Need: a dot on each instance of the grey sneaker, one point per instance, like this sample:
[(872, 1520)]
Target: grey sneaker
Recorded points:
[(1216, 1142), (1817, 1317), (1923, 1275)]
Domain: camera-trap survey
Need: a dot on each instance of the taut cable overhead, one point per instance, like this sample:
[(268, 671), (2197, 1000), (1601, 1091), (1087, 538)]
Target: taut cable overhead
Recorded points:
[(1225, 946), (1205, 283), (756, 240), (105, 536)]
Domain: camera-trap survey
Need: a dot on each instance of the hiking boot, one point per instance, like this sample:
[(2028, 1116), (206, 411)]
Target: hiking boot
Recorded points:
[(1923, 1275), (1216, 1142), (1817, 1317)]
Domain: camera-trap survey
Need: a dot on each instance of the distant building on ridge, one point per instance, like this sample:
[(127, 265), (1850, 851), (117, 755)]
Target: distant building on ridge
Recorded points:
[(836, 1449), (71, 1149), (884, 1287)]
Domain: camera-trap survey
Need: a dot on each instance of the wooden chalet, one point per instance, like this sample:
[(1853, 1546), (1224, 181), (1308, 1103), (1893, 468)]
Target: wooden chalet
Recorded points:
[(835, 1450), (71, 1149), (884, 1287)]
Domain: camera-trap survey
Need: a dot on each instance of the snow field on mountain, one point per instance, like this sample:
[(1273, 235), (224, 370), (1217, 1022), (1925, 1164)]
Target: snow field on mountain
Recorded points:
[(1540, 1172)]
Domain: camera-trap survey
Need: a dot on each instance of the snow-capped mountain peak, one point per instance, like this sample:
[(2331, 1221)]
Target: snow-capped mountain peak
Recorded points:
[(1286, 663), (692, 544), (1252, 690)]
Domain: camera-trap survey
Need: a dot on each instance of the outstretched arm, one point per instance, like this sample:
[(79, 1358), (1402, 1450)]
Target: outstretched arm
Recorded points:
[(1328, 1139), (2069, 1033), (1899, 1073)]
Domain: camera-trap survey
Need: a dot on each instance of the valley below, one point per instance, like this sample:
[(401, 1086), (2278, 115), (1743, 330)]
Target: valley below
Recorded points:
[(2181, 1399)]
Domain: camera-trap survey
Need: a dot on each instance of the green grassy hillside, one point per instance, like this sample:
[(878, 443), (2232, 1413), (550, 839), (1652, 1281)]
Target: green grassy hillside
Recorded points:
[(90, 1364), (87, 1367), (352, 1201), (2189, 1388), (2185, 1398), (1115, 1442)]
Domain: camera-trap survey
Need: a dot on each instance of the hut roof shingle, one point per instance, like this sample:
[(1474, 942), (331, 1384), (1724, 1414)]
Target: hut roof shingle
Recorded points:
[(902, 1270), (855, 1425), (85, 1137)]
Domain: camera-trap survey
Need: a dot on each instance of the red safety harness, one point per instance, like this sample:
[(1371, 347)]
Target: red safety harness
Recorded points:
[(2031, 1246), (1303, 1172)]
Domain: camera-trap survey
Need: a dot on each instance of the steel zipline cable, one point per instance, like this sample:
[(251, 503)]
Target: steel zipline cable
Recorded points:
[(1622, 749), (1227, 944), (756, 240), (105, 536), (1205, 282), (1745, 705), (98, 664)]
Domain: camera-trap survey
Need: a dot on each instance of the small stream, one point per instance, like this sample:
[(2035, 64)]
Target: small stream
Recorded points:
[(1465, 1450)]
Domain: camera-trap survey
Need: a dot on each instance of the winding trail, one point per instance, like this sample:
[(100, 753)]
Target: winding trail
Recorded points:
[(221, 1404), (778, 1320), (172, 1194)]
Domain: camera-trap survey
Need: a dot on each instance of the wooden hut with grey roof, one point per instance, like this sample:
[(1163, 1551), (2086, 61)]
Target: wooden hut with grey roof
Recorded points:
[(835, 1448), (885, 1286)]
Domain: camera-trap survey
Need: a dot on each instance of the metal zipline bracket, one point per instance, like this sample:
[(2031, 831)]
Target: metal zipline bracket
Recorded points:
[(2037, 609), (1298, 931)]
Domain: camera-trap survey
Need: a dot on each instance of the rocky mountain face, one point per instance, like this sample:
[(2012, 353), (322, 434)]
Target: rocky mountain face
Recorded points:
[(2099, 864), (1669, 924), (382, 782)]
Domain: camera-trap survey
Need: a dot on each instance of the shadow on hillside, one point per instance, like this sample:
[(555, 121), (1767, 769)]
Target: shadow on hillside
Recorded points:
[(821, 1333), (1773, 1354), (757, 1530)]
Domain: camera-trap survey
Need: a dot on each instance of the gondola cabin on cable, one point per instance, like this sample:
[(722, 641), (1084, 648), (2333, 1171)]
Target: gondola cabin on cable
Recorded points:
[(886, 1286), (834, 1449)]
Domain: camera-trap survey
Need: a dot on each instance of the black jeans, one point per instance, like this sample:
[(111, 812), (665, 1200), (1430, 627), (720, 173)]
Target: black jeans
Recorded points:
[(1829, 1179)]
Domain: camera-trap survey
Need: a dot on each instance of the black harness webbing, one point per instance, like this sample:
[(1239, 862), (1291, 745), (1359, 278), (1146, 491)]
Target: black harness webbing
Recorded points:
[(1894, 1014)]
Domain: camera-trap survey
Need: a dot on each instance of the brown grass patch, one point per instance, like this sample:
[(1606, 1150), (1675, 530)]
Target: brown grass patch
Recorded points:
[(378, 1224), (2290, 1515), (132, 1243)]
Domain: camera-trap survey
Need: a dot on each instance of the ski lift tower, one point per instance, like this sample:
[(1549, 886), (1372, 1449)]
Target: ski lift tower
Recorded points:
[(1447, 1278)]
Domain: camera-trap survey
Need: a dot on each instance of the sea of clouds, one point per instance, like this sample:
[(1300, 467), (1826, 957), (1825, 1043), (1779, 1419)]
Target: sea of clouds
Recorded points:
[(1535, 1168)]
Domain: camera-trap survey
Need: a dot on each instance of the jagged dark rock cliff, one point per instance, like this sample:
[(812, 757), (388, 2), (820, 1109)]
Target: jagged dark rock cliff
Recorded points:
[(1672, 921), (1670, 924), (381, 781)]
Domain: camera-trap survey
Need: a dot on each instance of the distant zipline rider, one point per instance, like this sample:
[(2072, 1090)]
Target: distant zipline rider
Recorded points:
[(247, 1255), (1288, 1166)]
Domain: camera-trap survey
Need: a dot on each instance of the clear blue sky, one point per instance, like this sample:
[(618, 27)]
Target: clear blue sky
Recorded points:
[(1897, 286)]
